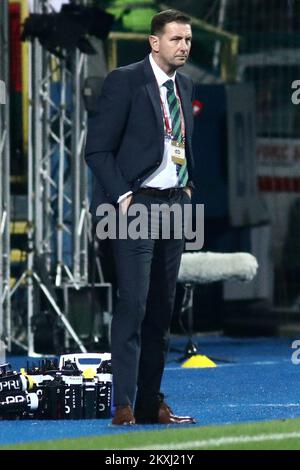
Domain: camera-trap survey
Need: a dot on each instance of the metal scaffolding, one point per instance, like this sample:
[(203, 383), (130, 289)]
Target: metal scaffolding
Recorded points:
[(5, 312), (58, 221), (57, 180)]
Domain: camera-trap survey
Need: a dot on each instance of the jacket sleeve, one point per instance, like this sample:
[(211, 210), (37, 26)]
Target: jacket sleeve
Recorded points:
[(105, 130)]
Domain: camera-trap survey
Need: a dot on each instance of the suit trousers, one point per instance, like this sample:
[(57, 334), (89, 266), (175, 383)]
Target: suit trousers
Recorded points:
[(147, 271)]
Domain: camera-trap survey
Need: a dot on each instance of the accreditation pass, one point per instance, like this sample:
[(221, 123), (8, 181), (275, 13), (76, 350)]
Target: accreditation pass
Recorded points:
[(178, 152)]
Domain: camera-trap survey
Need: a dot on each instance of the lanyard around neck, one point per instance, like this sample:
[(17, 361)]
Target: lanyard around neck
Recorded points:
[(167, 121)]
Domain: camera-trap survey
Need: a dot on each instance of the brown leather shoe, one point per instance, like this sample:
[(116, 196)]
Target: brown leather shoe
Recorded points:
[(123, 416), (166, 416)]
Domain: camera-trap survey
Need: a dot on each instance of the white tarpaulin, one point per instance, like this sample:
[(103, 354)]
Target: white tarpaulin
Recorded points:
[(244, 200)]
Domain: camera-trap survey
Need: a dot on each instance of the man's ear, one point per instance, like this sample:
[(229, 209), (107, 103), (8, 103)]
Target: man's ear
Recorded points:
[(154, 43)]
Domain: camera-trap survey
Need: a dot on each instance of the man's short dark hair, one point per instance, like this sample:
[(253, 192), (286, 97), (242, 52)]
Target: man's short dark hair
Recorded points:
[(160, 20)]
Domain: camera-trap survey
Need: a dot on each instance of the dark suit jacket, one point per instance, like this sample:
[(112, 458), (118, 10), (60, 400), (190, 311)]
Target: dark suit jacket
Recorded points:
[(125, 141)]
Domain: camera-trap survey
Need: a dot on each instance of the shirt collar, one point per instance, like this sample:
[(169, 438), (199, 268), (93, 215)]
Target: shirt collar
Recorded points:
[(160, 75)]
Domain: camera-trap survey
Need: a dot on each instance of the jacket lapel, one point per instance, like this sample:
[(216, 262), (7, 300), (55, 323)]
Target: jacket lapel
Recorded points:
[(186, 106), (153, 92)]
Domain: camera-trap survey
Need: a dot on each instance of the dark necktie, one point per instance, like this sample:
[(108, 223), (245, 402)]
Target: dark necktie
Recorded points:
[(174, 110)]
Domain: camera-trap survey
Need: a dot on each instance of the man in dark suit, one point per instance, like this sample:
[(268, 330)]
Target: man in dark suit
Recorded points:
[(139, 150)]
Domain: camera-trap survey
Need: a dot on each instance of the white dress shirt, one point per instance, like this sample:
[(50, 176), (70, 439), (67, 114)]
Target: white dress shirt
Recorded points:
[(165, 175)]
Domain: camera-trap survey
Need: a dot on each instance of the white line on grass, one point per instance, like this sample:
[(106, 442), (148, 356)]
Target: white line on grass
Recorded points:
[(260, 405), (222, 441)]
